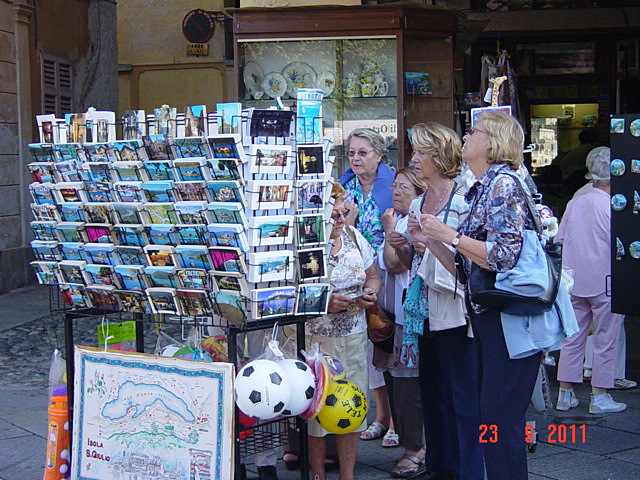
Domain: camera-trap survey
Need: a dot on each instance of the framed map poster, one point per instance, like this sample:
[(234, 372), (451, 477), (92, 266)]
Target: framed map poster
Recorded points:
[(168, 417)]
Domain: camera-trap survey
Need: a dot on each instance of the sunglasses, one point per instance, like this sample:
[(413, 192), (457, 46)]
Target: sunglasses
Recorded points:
[(337, 215), (360, 153)]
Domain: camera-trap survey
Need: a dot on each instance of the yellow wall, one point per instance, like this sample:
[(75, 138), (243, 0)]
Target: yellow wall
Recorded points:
[(154, 66)]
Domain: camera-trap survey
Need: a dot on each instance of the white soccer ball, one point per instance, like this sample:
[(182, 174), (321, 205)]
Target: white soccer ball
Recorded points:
[(303, 385), (263, 389)]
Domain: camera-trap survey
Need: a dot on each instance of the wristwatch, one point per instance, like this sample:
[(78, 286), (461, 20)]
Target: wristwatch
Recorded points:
[(456, 240)]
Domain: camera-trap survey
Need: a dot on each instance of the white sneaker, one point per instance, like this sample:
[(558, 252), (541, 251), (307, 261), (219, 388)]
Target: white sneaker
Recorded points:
[(566, 400), (624, 384), (603, 403)]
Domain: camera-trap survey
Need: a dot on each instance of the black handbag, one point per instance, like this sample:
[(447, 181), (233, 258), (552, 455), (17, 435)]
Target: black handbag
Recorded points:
[(481, 282)]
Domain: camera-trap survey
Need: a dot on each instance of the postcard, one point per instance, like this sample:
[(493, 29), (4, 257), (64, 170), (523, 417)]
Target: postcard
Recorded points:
[(46, 212), (226, 147), (103, 297), (272, 302), (47, 250), (312, 194), (227, 212), (194, 303), (158, 191), (47, 272), (71, 232), (98, 212), (313, 298), (191, 234), (477, 112), (134, 124), (101, 275), (72, 271), (128, 150), (312, 263), (100, 152), (270, 230), (129, 192), (310, 229), (72, 212), (99, 253), (231, 307), (98, 171), (309, 115), (225, 169), (228, 235), (271, 159), (271, 266), (160, 234), (42, 152), (42, 193), (270, 123), (47, 128), (190, 191), (195, 121), (418, 83), (44, 231), (229, 117), (193, 256), (72, 251), (162, 213), (157, 147), (67, 152), (132, 300), (98, 191), (161, 276), (270, 194), (130, 235), (227, 260), (130, 171), (230, 283), (225, 191), (43, 172), (129, 255), (99, 232), (77, 128), (74, 295), (70, 192), (192, 213), (193, 278), (191, 169), (163, 300), (311, 159), (128, 212), (103, 125), (160, 255), (159, 169), (165, 121), (67, 171), (131, 276)]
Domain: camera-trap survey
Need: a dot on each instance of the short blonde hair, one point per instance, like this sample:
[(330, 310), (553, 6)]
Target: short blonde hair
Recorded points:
[(419, 185), (338, 193), (506, 137), (442, 143)]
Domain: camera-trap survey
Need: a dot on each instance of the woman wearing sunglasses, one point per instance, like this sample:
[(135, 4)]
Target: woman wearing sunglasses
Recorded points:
[(492, 236), (367, 182), (342, 333)]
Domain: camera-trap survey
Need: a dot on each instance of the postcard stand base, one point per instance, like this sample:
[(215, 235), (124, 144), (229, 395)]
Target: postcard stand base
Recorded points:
[(260, 437)]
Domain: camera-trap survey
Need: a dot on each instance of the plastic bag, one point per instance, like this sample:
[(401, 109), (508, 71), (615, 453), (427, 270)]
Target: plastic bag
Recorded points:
[(117, 336)]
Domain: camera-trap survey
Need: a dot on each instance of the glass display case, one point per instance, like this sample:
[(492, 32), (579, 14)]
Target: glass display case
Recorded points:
[(364, 58)]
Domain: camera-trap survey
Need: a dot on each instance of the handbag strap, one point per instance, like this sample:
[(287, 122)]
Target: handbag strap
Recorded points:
[(448, 206), (529, 201)]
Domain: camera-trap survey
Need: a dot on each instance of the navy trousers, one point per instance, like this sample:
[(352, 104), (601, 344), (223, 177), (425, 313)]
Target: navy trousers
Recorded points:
[(449, 390), (506, 386)]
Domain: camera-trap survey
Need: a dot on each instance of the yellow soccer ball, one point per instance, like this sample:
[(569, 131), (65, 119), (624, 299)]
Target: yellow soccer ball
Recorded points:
[(344, 409)]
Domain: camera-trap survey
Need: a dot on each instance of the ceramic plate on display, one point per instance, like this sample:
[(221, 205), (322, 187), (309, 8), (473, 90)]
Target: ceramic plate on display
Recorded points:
[(326, 82), (253, 77), (274, 85), (298, 75)]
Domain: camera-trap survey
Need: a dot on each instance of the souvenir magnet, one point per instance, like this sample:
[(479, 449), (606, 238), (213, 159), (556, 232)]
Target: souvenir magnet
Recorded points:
[(636, 203), (634, 128), (617, 125), (617, 167), (618, 202), (635, 165), (634, 249), (619, 249)]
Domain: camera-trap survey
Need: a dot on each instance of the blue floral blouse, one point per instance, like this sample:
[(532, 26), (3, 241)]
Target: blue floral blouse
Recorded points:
[(368, 222)]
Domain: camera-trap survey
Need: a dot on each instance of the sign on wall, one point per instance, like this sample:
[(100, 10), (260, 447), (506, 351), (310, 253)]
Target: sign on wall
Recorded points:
[(143, 416)]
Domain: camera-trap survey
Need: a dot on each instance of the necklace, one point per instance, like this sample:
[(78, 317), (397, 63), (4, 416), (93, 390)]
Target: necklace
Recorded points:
[(432, 206)]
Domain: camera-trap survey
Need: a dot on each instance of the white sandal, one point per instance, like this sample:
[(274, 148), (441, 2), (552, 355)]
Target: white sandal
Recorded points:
[(390, 439), (373, 431)]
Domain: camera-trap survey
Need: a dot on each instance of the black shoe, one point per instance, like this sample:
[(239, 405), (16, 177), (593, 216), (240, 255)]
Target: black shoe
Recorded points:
[(267, 473)]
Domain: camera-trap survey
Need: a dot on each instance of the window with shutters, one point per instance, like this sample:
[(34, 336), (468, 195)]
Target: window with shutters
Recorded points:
[(57, 87)]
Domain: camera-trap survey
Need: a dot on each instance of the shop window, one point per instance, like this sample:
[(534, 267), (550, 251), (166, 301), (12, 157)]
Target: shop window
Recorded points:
[(57, 87)]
